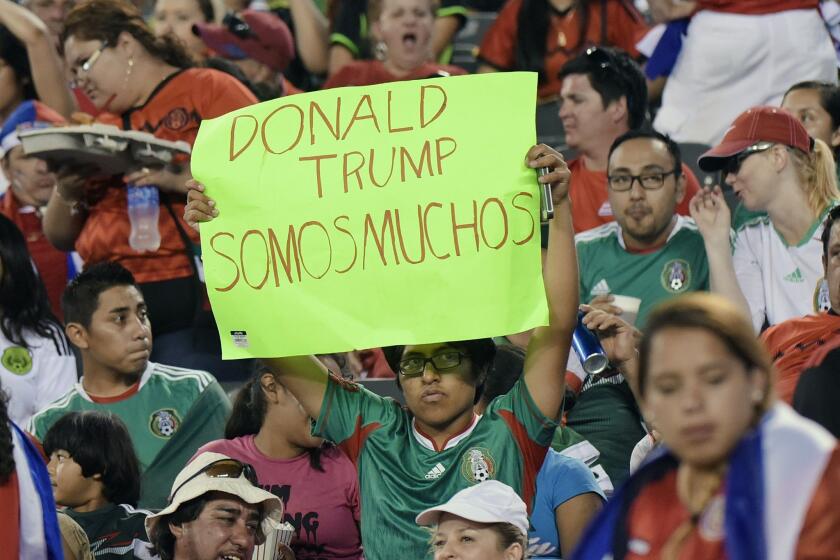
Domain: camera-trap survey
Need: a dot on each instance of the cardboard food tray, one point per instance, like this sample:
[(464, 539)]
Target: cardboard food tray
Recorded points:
[(112, 150)]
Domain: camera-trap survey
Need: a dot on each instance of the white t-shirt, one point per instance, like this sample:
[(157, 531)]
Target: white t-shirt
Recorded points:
[(780, 281), (34, 377)]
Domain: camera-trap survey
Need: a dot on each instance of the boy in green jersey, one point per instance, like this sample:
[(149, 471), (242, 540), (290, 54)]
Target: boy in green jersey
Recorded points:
[(413, 458), (170, 412)]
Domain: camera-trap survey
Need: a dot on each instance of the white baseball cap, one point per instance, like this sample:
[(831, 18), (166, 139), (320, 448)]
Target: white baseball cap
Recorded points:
[(487, 502), (214, 472)]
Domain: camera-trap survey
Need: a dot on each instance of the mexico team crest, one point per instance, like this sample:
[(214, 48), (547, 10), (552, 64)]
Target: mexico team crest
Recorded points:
[(164, 423), (17, 360), (821, 300), (676, 276), (477, 465)]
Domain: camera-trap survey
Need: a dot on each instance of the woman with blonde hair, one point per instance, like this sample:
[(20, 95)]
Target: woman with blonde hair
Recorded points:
[(741, 475), (775, 271)]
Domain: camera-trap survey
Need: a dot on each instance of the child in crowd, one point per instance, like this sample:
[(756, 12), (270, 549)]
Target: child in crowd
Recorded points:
[(95, 475)]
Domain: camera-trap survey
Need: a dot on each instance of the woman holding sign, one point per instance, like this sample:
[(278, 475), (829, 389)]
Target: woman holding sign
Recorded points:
[(403, 29), (412, 458), (146, 83)]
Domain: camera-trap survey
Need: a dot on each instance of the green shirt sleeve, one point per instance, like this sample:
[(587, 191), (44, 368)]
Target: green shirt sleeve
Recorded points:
[(349, 413), (523, 416)]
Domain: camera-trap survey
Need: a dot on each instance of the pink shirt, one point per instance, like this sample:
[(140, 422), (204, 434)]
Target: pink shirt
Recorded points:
[(323, 506)]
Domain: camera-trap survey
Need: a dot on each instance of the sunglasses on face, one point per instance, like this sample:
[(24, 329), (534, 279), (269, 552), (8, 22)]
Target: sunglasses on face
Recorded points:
[(733, 164), (223, 468), (444, 361)]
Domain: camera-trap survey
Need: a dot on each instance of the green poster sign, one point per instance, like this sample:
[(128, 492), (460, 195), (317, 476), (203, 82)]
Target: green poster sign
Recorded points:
[(401, 213)]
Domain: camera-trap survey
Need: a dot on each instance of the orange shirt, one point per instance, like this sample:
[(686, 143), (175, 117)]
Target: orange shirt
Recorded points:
[(756, 7), (590, 200), (657, 512), (370, 72), (49, 261), (624, 27), (173, 112), (793, 343)]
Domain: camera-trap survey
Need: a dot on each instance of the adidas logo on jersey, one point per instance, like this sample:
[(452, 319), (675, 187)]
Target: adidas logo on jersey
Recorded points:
[(600, 289), (436, 472), (795, 276)]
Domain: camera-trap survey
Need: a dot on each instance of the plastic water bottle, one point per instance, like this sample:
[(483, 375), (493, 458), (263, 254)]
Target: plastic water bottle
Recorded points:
[(143, 211)]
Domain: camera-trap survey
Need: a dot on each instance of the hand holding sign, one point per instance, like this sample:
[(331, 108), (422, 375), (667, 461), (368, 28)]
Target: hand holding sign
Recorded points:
[(363, 217)]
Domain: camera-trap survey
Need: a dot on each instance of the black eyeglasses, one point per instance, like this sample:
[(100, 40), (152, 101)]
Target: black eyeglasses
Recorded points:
[(733, 164), (223, 468), (444, 361), (649, 181)]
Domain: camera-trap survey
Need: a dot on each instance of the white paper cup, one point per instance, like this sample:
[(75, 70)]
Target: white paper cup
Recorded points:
[(629, 305), (268, 550)]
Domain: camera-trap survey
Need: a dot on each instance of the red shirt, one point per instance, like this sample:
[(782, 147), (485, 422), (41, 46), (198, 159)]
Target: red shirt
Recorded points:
[(370, 72), (590, 200), (794, 342), (10, 512), (624, 27), (756, 7), (173, 112), (49, 261), (657, 512)]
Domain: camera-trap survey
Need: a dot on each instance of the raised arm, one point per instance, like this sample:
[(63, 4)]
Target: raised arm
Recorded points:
[(304, 376), (710, 212), (548, 350), (312, 35), (46, 66)]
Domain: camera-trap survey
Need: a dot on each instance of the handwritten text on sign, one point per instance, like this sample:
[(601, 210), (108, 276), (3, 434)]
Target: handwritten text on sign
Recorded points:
[(361, 217)]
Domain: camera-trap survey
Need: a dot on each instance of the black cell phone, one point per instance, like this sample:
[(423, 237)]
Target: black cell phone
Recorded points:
[(546, 202)]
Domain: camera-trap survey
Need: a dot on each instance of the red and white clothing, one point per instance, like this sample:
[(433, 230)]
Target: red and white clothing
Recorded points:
[(779, 281), (739, 54), (614, 22)]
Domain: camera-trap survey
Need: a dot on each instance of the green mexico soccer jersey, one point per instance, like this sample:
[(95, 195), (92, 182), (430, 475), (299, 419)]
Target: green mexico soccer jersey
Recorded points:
[(607, 267), (172, 413), (401, 474)]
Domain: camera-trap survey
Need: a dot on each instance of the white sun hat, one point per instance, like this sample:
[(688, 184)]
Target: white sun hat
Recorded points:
[(214, 472), (487, 502)]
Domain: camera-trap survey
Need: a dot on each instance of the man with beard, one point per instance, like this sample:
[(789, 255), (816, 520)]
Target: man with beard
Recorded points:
[(216, 511), (650, 253)]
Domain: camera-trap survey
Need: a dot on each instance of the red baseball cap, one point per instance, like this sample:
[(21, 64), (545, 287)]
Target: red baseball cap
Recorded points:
[(260, 36), (759, 124)]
